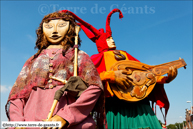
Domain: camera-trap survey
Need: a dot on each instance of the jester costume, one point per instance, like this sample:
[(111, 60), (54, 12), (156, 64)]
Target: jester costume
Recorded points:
[(120, 113)]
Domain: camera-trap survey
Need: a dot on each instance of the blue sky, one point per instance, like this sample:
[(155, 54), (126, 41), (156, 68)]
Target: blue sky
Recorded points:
[(154, 32)]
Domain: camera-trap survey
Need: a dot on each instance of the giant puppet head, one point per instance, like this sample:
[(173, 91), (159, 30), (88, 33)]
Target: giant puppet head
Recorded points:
[(98, 36), (56, 28)]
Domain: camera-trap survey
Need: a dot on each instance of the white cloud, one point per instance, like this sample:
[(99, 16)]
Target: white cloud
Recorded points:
[(5, 88)]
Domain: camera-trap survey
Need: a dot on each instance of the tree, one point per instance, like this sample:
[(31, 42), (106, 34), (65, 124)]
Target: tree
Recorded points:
[(171, 126), (176, 126)]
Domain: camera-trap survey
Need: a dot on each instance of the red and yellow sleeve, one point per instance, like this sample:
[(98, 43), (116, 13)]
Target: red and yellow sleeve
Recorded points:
[(107, 76)]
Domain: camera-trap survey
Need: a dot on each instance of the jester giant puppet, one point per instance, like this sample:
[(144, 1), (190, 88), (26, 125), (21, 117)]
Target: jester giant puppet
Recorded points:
[(32, 94), (121, 113)]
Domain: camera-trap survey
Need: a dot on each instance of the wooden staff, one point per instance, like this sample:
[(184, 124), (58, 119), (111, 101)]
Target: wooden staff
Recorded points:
[(57, 97), (77, 29)]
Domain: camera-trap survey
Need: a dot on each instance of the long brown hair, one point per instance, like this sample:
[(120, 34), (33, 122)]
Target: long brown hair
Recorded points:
[(68, 41)]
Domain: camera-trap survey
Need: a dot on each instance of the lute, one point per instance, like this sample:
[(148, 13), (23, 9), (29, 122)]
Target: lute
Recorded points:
[(143, 78)]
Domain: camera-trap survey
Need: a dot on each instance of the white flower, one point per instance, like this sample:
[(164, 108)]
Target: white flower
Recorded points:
[(35, 64), (23, 71)]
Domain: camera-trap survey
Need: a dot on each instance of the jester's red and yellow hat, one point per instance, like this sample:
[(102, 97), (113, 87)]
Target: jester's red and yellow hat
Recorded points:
[(97, 36)]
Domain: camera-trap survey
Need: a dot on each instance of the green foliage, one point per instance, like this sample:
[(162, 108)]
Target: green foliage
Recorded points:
[(176, 126), (171, 126)]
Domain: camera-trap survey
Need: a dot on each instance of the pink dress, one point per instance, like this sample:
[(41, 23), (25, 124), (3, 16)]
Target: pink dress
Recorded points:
[(75, 111)]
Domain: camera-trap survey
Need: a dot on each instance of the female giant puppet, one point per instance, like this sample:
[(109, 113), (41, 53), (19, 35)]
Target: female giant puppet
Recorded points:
[(120, 113), (32, 94)]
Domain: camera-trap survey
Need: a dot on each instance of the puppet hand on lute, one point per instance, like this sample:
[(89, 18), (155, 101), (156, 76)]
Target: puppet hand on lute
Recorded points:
[(135, 80), (122, 80)]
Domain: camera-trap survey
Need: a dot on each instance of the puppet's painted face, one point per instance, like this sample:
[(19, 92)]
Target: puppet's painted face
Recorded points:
[(111, 43), (55, 30)]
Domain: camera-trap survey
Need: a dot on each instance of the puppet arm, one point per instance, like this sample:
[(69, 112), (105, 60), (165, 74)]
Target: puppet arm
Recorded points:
[(120, 77), (108, 76), (16, 110), (78, 111)]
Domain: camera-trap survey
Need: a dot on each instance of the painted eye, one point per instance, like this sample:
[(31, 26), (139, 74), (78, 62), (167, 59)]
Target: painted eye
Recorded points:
[(62, 25), (48, 26)]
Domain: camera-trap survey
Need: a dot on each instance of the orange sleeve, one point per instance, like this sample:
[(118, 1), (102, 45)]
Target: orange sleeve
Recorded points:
[(107, 76)]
